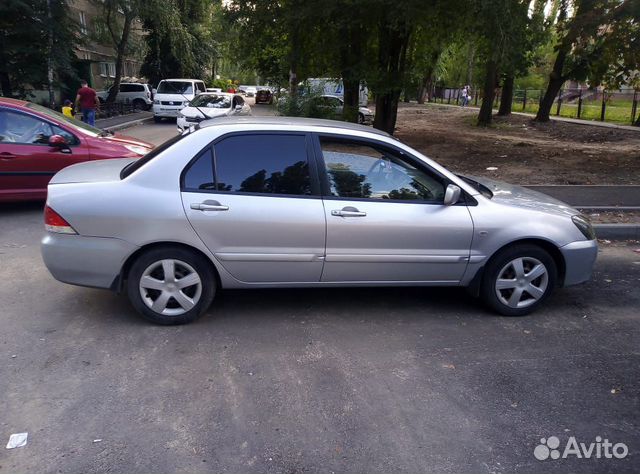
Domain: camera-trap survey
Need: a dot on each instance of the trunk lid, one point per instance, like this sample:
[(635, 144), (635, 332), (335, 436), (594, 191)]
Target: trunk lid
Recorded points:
[(92, 171)]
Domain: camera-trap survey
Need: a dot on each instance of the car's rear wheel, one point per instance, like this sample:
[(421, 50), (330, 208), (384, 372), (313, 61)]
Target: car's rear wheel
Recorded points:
[(360, 118), (171, 285), (518, 279), (139, 104)]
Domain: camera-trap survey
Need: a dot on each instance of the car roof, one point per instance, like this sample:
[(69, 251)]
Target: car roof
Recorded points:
[(291, 121), (14, 102), (172, 79)]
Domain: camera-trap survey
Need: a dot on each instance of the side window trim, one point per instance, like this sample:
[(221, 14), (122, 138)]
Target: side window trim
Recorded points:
[(310, 158), (324, 178)]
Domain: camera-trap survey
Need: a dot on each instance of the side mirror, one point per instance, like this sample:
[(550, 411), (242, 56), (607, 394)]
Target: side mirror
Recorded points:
[(452, 195), (58, 141)]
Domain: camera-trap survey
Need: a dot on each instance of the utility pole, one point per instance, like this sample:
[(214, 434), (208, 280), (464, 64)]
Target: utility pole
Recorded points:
[(50, 56)]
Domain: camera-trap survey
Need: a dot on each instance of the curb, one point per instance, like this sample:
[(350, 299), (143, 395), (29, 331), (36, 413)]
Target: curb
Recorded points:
[(617, 231), (132, 123)]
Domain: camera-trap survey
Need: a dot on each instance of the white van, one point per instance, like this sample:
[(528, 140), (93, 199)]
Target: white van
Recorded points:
[(173, 95)]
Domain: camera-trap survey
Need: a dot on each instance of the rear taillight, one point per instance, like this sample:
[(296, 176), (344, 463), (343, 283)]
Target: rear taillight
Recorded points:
[(54, 222)]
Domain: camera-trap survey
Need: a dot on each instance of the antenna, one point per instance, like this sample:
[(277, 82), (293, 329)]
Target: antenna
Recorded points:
[(187, 99)]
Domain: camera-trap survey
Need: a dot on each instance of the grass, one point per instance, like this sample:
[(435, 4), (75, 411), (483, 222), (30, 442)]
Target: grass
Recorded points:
[(616, 111)]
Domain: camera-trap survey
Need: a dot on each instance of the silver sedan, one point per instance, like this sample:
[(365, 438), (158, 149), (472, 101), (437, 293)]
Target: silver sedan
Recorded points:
[(268, 202)]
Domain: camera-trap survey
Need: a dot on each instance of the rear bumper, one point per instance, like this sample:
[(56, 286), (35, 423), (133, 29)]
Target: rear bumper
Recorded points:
[(579, 258), (85, 261)]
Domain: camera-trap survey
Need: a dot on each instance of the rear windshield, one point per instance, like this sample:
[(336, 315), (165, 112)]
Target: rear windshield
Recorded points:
[(175, 87), (212, 100), (136, 165)]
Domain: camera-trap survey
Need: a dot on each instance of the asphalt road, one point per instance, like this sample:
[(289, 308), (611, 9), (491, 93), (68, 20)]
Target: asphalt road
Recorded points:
[(328, 380)]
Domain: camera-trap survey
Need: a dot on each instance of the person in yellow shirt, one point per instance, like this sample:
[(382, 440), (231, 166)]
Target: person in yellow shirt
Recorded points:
[(67, 108)]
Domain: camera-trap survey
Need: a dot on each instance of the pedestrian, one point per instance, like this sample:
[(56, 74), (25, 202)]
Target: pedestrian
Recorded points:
[(67, 108), (465, 95), (87, 101)]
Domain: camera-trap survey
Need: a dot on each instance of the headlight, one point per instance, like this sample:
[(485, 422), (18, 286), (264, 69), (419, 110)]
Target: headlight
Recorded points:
[(138, 150), (157, 102), (186, 104), (583, 224), (180, 115)]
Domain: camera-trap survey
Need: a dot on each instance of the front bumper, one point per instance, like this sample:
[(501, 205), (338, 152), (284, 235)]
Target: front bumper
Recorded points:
[(579, 258), (167, 110), (85, 261)]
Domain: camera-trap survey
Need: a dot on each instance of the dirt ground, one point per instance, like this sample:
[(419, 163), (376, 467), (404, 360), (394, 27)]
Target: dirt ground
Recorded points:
[(523, 151)]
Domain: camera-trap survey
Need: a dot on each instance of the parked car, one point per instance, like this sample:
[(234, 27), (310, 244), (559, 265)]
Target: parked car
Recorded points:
[(173, 95), (207, 106), (36, 143), (264, 96), (214, 89), (250, 91), (336, 105), (138, 95), (272, 202)]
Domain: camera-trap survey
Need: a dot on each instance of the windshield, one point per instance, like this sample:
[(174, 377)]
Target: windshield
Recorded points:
[(75, 124), (175, 87), (212, 101)]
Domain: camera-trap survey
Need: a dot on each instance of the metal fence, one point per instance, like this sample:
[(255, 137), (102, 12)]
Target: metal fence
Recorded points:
[(116, 108), (619, 106)]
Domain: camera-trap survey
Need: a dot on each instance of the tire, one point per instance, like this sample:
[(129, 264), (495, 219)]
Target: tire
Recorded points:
[(157, 119), (360, 119), (517, 297), (148, 285), (139, 104)]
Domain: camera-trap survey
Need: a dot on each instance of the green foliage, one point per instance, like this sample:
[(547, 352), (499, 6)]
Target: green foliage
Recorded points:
[(180, 38), (24, 34)]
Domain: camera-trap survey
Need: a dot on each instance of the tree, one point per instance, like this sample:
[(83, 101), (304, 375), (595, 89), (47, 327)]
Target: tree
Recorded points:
[(25, 35), (587, 40), (181, 39), (114, 26), (501, 29)]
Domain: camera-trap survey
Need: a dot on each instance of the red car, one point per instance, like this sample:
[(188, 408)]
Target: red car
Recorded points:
[(264, 96), (36, 143)]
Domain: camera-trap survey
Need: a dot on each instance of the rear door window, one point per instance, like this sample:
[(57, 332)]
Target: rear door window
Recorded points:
[(266, 164)]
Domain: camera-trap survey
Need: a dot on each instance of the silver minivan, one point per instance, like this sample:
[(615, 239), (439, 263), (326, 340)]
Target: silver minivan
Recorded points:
[(172, 95)]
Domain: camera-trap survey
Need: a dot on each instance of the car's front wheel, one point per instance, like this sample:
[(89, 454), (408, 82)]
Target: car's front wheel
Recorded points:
[(171, 285), (518, 279)]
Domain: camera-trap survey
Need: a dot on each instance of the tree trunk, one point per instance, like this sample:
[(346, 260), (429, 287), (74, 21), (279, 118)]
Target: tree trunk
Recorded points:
[(507, 95), (293, 62), (392, 51), (5, 80), (471, 55), (556, 79), (486, 109), (351, 100), (121, 49), (350, 52)]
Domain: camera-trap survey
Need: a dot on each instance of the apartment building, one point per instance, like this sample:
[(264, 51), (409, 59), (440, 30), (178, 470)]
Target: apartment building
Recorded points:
[(96, 60)]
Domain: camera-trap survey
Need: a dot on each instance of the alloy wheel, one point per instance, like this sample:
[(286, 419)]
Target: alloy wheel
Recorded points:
[(522, 282), (170, 287)]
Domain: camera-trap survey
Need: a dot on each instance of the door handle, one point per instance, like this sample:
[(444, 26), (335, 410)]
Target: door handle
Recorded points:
[(6, 155), (209, 206), (348, 211)]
